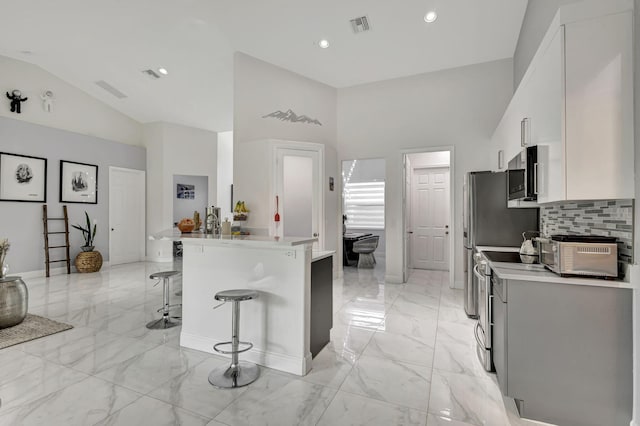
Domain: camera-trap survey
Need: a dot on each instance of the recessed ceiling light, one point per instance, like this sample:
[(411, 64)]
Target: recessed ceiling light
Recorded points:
[(163, 71), (323, 43), (431, 16)]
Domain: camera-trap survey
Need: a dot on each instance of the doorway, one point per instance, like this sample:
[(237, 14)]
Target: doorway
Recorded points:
[(428, 211), (298, 178), (126, 215)]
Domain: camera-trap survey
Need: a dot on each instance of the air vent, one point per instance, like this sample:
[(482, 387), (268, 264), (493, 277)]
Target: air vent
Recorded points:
[(109, 88), (360, 24), (151, 74)]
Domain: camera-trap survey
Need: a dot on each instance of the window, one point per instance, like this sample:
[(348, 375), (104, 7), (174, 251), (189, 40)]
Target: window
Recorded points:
[(363, 193), (364, 204)]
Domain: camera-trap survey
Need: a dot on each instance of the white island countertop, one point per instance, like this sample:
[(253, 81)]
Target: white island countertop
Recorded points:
[(538, 273), (175, 235)]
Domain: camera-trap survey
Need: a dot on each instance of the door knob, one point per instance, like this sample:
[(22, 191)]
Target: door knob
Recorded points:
[(446, 226), (112, 229), (409, 232), (446, 233), (315, 234)]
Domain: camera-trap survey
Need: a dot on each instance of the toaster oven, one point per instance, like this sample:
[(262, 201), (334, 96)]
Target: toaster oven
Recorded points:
[(591, 256)]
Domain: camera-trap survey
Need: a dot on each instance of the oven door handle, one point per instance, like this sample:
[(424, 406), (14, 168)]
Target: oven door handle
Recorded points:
[(475, 331), (477, 273), (490, 316)]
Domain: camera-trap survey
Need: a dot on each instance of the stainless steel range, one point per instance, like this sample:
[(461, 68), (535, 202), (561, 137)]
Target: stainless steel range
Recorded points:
[(483, 332), (487, 221)]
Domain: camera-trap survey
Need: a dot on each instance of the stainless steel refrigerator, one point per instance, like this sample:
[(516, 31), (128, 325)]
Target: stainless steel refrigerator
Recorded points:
[(487, 221)]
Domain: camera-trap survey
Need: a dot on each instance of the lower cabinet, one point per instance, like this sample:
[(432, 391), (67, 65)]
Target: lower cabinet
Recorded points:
[(321, 303), (564, 352)]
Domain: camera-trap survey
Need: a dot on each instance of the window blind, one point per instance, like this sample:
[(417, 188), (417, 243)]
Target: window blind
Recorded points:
[(364, 205)]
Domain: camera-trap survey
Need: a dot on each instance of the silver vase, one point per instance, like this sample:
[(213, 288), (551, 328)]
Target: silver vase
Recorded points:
[(14, 301)]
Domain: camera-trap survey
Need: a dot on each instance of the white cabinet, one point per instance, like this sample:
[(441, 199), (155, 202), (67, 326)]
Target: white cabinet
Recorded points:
[(599, 108), (547, 113), (577, 99)]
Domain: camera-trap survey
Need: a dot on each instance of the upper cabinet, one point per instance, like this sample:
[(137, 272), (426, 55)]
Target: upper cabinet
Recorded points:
[(575, 103)]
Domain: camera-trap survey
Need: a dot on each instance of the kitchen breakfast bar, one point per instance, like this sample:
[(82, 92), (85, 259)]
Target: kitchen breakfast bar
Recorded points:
[(279, 321)]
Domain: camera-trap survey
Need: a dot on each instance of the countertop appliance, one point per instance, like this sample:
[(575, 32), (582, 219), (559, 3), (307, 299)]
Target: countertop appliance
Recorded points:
[(523, 175), (487, 221), (584, 255)]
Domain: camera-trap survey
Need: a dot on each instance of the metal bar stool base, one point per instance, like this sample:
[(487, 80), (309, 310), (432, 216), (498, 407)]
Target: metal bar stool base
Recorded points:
[(225, 377), (162, 323)]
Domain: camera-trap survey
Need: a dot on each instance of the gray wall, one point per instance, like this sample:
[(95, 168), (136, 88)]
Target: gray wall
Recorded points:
[(184, 208), (22, 222), (536, 22)]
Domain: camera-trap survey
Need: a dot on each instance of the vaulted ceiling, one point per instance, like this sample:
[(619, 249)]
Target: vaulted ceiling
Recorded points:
[(84, 41)]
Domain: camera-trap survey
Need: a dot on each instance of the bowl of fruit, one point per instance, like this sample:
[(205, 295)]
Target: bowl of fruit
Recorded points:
[(186, 225), (240, 211)]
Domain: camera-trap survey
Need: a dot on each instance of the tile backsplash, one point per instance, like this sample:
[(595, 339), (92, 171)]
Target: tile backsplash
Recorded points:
[(613, 218)]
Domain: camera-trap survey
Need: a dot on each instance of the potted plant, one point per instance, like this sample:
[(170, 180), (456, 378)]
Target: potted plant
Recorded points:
[(87, 233), (4, 248), (88, 260)]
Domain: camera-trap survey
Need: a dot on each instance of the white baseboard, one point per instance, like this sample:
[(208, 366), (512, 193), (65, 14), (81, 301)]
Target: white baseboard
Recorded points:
[(158, 259), (393, 279), (40, 273), (282, 362)]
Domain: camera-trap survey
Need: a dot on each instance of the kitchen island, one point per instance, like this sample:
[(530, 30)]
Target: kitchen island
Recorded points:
[(278, 322)]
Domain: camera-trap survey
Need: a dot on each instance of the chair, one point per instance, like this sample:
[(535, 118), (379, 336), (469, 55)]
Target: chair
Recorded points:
[(365, 248), (239, 373), (166, 321)]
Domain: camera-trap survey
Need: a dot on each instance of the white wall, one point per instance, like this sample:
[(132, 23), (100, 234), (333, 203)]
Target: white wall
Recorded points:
[(259, 89), (174, 150), (458, 107), (73, 109), (183, 207), (536, 22), (225, 174)]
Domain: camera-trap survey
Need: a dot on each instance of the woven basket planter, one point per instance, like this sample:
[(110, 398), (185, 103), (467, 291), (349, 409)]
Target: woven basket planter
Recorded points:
[(89, 261)]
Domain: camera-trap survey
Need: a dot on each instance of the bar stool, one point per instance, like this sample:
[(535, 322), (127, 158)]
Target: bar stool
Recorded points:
[(166, 321), (238, 373)]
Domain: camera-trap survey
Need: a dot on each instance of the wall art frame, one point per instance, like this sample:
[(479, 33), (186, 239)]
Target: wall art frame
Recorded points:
[(23, 178), (78, 182)]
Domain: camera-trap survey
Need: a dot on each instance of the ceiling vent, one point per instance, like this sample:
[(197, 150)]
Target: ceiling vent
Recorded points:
[(151, 74), (360, 24), (109, 88)]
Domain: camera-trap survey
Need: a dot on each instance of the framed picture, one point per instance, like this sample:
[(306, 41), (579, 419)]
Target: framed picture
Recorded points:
[(78, 182), (23, 178), (186, 192)]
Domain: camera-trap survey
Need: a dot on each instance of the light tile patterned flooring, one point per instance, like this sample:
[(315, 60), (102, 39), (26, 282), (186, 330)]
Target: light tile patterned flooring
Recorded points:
[(399, 355)]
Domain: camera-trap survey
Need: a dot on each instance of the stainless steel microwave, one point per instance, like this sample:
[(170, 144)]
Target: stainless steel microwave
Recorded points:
[(522, 175)]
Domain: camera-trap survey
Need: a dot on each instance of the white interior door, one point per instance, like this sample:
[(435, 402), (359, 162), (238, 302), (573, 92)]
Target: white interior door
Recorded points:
[(406, 212), (298, 186), (430, 218), (126, 215)]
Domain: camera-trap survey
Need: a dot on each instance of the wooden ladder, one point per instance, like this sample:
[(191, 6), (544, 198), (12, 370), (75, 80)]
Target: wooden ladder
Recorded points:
[(47, 247)]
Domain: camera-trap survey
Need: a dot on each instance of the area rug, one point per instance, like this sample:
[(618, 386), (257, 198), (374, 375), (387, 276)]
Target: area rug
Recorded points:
[(33, 327)]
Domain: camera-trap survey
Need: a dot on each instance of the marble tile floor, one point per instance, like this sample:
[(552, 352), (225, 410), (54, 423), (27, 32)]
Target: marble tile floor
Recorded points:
[(400, 354)]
